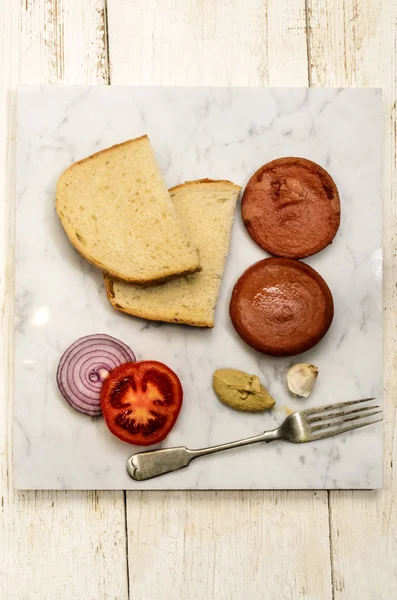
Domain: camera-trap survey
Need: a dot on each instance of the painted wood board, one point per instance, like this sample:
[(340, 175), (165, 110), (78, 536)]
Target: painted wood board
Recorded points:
[(54, 544), (358, 38)]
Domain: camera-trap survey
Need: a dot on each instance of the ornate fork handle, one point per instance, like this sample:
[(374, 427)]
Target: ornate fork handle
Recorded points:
[(146, 465), (307, 425)]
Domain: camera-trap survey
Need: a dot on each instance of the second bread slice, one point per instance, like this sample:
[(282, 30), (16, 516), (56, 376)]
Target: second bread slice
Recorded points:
[(207, 209), (117, 212)]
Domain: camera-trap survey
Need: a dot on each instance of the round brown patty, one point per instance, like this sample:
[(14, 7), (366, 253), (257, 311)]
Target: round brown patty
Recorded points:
[(281, 306), (291, 207)]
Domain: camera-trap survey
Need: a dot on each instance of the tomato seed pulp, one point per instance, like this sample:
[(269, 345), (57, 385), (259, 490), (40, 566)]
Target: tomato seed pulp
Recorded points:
[(141, 402)]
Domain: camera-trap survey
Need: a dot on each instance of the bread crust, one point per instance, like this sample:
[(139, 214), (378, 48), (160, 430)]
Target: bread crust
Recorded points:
[(148, 317), (105, 151), (198, 181), (291, 207)]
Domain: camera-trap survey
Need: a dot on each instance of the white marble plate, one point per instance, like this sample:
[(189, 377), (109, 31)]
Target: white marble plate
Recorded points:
[(196, 132)]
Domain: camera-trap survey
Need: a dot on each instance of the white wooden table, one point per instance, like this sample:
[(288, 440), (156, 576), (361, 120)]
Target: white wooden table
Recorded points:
[(189, 545)]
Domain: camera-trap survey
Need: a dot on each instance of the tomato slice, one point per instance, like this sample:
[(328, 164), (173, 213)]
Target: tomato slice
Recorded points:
[(141, 401)]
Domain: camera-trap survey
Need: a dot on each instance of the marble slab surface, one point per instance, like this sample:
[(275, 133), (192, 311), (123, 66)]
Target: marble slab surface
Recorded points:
[(196, 132)]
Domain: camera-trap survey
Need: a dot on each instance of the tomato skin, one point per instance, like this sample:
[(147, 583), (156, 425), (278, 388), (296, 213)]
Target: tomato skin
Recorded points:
[(141, 401)]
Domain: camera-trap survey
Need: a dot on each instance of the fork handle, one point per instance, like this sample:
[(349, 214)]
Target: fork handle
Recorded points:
[(153, 463)]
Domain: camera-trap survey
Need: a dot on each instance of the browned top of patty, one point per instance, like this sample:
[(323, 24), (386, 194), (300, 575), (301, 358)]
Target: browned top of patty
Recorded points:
[(281, 306), (291, 207)]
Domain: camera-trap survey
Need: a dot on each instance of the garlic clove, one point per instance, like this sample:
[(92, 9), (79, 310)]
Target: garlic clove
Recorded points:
[(301, 379)]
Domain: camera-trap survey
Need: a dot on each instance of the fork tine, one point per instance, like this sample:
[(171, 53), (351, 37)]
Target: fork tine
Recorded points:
[(311, 411), (341, 421), (326, 434), (315, 418)]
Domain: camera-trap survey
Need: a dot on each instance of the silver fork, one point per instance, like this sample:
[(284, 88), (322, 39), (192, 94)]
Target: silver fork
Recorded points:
[(307, 425)]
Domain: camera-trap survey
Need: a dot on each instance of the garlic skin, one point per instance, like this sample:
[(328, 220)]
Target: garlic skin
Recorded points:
[(301, 379)]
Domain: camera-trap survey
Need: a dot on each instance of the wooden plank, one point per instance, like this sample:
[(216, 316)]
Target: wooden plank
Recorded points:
[(354, 44), (63, 41), (53, 545), (185, 42), (228, 545), (231, 544)]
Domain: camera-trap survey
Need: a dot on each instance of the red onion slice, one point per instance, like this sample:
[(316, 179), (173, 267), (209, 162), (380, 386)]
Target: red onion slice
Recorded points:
[(85, 365)]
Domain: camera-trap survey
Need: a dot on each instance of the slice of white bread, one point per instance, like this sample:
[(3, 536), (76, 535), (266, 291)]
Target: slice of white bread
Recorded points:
[(207, 210), (117, 212)]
